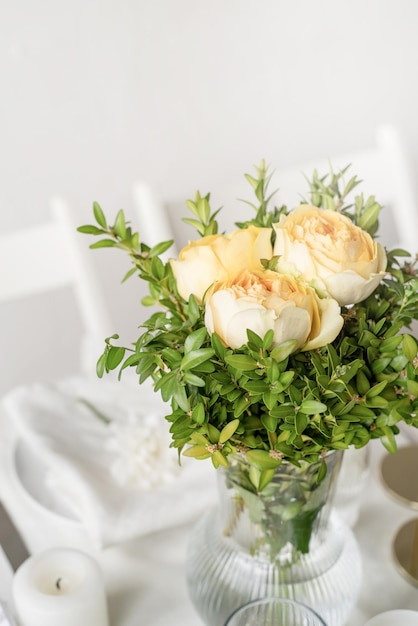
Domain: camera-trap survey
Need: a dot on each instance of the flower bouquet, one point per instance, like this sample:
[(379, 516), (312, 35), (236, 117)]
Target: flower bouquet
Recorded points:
[(283, 339), (278, 344)]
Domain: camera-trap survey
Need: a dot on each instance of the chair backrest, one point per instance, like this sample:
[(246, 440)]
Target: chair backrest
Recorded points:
[(152, 217), (47, 257), (385, 170)]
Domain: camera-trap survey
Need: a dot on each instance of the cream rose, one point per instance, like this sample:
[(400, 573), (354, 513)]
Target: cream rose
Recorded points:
[(325, 246), (264, 300), (219, 257)]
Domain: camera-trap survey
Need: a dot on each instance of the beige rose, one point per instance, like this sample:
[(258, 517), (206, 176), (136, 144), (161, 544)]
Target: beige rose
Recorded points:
[(265, 300), (326, 247), (219, 257)]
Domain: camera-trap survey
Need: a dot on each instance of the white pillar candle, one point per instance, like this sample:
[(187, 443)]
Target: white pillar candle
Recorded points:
[(402, 617), (60, 586)]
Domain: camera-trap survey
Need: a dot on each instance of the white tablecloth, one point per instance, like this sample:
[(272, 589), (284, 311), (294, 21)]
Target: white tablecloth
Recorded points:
[(145, 579)]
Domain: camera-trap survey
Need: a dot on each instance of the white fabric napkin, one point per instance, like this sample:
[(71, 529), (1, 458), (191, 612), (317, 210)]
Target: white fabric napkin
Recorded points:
[(119, 478)]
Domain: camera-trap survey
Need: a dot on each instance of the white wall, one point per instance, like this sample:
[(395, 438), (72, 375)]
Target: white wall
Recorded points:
[(186, 94)]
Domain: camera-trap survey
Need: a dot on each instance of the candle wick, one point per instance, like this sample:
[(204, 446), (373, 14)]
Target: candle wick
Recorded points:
[(57, 584)]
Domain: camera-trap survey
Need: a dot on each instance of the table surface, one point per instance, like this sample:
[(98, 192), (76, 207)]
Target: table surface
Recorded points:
[(145, 579)]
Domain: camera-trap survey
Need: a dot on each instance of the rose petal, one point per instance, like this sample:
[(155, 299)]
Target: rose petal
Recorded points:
[(293, 323), (256, 318), (331, 324), (350, 288)]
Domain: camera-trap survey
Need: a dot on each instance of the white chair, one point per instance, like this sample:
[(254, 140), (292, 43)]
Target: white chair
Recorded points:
[(48, 257), (152, 218)]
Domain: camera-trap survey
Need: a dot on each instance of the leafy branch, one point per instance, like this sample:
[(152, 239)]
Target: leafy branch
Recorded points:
[(331, 192), (265, 216)]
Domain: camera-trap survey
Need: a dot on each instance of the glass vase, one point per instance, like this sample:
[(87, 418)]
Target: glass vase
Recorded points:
[(284, 541)]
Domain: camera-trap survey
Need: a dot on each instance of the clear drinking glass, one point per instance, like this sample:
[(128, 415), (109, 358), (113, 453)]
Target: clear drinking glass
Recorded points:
[(274, 612)]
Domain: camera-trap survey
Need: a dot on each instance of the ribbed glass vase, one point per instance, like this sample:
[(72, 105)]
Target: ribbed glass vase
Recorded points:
[(284, 541)]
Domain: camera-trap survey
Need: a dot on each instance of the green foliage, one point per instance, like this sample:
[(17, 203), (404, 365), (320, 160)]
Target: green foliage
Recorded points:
[(204, 221), (270, 402), (331, 192), (265, 216)]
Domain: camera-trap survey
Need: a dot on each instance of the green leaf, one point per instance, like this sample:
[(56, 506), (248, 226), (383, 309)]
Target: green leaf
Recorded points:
[(352, 183), (114, 357), (240, 405), (301, 422), (254, 339), (369, 217), (362, 383), (310, 407), (99, 215), (193, 310), (333, 356), (380, 365), (148, 301), (219, 459), (180, 396), (218, 346), (103, 243), (120, 226), (197, 452), (322, 472), (388, 440), (195, 223), (195, 340), (253, 181), (157, 268), (160, 248), (339, 445), (90, 230), (412, 386), (196, 357), (129, 273), (213, 433), (269, 398), (399, 362), (328, 203), (101, 365), (228, 430), (409, 347), (265, 478), (134, 360), (198, 414), (192, 379), (390, 344), (262, 459), (376, 389), (269, 422), (241, 362), (376, 402), (268, 339), (286, 378), (254, 386), (283, 350), (198, 438), (167, 384)]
